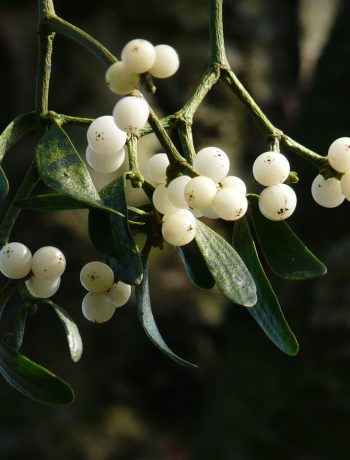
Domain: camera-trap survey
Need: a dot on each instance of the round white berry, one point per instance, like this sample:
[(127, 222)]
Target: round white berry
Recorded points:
[(327, 192), (48, 263), (345, 185), (121, 293), (277, 202), (42, 288), (339, 154), (179, 228), (176, 191), (138, 55), (209, 213), (131, 114), (212, 162), (156, 168), (271, 168), (200, 192), (161, 200), (15, 260), (96, 276), (104, 136), (98, 307), (166, 62), (185, 212), (234, 182), (120, 80), (104, 164), (230, 204)]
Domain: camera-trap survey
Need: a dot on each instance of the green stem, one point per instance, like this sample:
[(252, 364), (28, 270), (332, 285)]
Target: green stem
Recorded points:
[(134, 174), (6, 293), (208, 80), (62, 119), (186, 138), (216, 34), (63, 27)]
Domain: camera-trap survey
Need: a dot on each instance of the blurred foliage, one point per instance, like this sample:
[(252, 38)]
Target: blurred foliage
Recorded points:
[(247, 400)]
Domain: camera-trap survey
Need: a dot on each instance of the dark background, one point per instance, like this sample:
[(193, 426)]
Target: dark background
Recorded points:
[(247, 400)]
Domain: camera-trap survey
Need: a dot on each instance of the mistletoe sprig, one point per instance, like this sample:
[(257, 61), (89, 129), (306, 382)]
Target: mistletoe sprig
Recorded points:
[(209, 260)]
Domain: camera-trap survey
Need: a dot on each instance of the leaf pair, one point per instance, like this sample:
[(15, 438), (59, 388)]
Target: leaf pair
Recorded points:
[(63, 170)]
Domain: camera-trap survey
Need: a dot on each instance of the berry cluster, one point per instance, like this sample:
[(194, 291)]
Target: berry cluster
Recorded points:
[(213, 194), (331, 192), (104, 294), (46, 267), (140, 56), (278, 200), (107, 135)]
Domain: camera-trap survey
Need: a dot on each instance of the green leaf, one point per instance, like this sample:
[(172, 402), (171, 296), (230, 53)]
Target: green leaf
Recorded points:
[(33, 380), (9, 137), (111, 236), (18, 128), (227, 268), (62, 169), (50, 202), (73, 336), (4, 184), (267, 311), (195, 265), (144, 309), (285, 253)]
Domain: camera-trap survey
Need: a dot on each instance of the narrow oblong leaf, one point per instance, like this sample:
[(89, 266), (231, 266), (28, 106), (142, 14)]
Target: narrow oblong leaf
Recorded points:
[(4, 184), (111, 236), (144, 309), (285, 253), (72, 332), (50, 202), (62, 169), (267, 311), (227, 268), (195, 265), (18, 128), (33, 380)]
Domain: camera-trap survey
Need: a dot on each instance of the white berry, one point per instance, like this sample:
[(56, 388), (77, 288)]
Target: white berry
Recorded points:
[(179, 228), (339, 154), (200, 192), (131, 114), (120, 80), (96, 276), (166, 62), (156, 168), (104, 136), (212, 162), (327, 192), (161, 200), (234, 182), (209, 213), (176, 191), (98, 307), (345, 185), (138, 55), (42, 288), (230, 204), (48, 263), (277, 202), (271, 168), (104, 164), (15, 260), (121, 293)]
